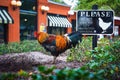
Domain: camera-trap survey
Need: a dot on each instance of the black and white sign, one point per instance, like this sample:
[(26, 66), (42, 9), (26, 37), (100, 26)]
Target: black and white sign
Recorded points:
[(95, 22)]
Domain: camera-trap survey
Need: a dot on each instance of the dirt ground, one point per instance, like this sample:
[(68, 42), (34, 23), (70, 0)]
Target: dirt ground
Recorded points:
[(29, 61)]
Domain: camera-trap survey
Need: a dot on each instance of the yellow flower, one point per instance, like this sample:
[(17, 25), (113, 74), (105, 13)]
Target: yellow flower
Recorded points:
[(116, 69), (20, 72)]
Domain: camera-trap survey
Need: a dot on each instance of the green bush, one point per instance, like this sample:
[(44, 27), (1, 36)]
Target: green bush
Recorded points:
[(106, 58), (21, 75), (8, 76), (23, 46), (80, 52), (45, 73), (115, 50), (101, 56), (67, 74)]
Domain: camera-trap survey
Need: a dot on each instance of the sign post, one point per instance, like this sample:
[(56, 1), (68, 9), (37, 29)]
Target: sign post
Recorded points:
[(94, 39)]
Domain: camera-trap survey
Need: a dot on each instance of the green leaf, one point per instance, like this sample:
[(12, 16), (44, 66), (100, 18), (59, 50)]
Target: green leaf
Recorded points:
[(111, 71), (42, 68), (100, 72), (49, 70)]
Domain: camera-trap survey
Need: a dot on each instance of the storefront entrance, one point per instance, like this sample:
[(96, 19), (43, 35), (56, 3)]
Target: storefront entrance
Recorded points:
[(1, 33), (27, 26), (28, 19), (57, 30), (5, 19)]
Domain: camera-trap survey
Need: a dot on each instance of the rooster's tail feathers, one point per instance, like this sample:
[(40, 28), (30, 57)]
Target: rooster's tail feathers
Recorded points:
[(75, 37)]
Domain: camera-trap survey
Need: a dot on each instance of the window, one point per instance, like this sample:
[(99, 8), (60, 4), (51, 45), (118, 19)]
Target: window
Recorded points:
[(57, 30), (3, 30), (116, 30), (28, 17), (27, 27), (1, 33), (29, 5)]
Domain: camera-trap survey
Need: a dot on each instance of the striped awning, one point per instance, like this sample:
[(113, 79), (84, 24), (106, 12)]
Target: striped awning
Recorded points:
[(56, 21), (5, 17)]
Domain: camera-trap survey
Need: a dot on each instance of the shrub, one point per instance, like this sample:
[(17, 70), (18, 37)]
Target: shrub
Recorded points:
[(106, 58), (115, 50), (23, 46), (80, 52), (45, 73)]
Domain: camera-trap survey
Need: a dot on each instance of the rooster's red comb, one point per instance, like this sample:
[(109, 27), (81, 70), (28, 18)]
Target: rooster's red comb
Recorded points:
[(35, 33)]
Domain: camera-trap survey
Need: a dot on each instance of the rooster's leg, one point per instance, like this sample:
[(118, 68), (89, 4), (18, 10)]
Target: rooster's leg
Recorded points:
[(54, 59)]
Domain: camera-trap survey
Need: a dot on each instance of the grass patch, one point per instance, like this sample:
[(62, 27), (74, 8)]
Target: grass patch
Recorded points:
[(23, 46)]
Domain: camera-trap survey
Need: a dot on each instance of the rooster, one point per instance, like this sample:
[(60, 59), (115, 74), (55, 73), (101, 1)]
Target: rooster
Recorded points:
[(57, 44)]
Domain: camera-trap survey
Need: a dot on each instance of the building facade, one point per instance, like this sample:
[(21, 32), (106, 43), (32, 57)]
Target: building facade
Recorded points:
[(31, 15), (20, 23)]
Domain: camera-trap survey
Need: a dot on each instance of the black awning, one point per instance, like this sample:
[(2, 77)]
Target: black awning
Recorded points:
[(5, 17)]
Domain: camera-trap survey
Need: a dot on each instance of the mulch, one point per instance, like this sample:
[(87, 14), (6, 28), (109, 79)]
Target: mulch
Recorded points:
[(27, 61)]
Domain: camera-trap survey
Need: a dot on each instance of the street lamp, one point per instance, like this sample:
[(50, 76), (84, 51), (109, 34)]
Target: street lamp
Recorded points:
[(44, 9), (15, 4), (70, 12)]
